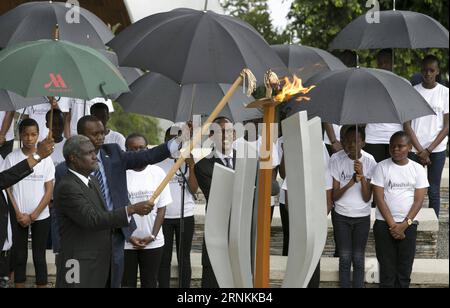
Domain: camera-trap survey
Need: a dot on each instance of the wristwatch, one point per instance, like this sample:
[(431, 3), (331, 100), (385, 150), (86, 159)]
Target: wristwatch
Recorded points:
[(409, 221), (36, 157)]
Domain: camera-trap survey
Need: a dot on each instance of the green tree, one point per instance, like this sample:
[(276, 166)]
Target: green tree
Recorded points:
[(127, 123), (256, 13), (316, 23)]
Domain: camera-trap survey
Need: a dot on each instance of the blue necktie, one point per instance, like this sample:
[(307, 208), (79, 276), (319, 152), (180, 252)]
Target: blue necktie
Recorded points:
[(99, 177)]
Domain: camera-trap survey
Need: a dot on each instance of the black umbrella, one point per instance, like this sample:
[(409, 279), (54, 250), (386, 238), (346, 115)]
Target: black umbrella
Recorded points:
[(362, 96), (130, 74), (307, 61), (156, 95), (36, 20), (396, 29), (10, 101), (191, 46)]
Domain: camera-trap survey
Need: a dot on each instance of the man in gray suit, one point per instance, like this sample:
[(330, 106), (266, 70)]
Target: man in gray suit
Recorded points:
[(85, 224)]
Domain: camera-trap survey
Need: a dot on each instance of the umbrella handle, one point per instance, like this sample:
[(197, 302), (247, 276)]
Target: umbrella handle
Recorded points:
[(50, 125), (198, 134)]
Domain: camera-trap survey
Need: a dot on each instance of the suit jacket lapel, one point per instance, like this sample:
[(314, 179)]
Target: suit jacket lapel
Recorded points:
[(92, 195)]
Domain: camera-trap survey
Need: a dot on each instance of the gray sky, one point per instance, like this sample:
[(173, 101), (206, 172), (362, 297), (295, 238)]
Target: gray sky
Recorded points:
[(279, 10)]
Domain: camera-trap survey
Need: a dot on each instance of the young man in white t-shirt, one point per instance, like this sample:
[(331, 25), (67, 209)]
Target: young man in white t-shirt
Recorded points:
[(74, 109), (399, 187), (352, 196), (172, 220), (144, 248), (429, 134), (101, 111), (6, 132)]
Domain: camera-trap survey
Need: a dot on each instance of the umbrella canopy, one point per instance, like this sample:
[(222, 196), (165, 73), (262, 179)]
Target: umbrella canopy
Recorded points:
[(362, 96), (10, 101), (191, 46), (58, 68), (129, 73), (36, 20), (156, 95), (307, 61), (396, 29)]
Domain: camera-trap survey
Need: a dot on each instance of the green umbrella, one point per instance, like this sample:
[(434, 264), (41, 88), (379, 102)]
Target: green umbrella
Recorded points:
[(58, 68)]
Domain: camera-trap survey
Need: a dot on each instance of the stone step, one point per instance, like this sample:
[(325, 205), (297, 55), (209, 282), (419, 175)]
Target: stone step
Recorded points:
[(426, 272), (427, 236)]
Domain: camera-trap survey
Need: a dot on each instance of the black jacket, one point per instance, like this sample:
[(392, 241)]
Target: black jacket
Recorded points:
[(85, 229), (7, 179)]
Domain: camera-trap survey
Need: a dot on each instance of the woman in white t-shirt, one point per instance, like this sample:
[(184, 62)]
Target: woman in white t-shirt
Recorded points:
[(429, 134), (144, 248), (352, 196), (399, 187), (172, 220), (30, 198)]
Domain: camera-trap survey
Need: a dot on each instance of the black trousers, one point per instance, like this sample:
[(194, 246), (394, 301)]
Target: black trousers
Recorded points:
[(6, 148), (284, 214), (396, 257), (5, 266), (148, 261), (39, 236), (171, 228)]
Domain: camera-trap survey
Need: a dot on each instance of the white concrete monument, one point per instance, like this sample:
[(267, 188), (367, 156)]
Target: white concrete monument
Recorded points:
[(228, 220)]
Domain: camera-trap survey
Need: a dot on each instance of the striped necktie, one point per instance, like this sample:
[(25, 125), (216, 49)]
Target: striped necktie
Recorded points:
[(99, 177)]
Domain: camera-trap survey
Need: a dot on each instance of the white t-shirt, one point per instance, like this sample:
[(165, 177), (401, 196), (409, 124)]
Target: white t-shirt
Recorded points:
[(79, 108), (381, 133), (141, 186), (328, 178), (351, 204), (115, 137), (337, 133), (37, 113), (173, 210), (10, 133), (427, 128), (399, 183), (30, 191), (57, 155)]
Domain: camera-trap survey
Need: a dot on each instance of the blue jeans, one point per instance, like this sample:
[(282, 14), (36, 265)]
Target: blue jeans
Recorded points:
[(351, 236), (434, 178)]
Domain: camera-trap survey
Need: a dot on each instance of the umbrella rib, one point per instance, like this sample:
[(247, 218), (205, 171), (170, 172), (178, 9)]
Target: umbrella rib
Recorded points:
[(68, 51), (407, 30), (389, 94)]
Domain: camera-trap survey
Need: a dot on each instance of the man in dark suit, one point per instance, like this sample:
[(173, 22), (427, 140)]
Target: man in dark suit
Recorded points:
[(111, 175), (7, 215), (222, 154), (86, 226)]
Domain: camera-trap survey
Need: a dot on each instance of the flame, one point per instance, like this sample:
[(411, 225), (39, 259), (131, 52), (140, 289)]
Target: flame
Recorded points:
[(291, 89)]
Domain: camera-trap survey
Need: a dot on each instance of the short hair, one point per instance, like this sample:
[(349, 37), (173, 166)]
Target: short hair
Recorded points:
[(27, 123), (73, 146), (56, 113), (81, 125), (135, 135), (387, 52), (99, 107), (431, 59), (352, 128), (399, 134)]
